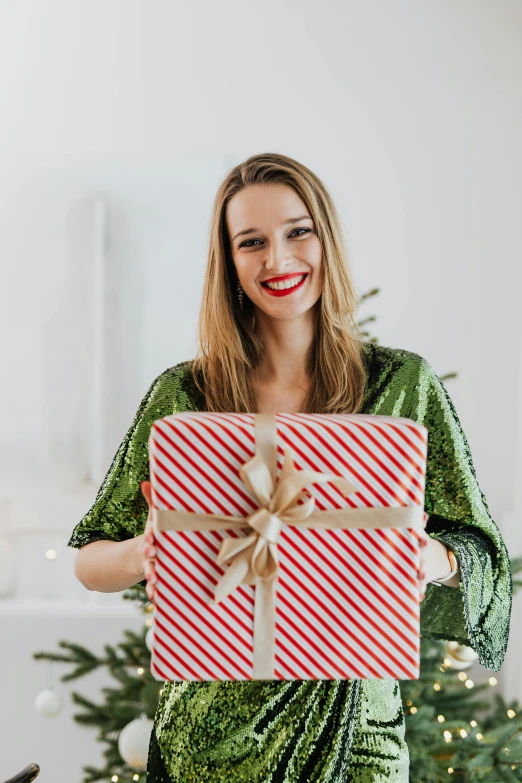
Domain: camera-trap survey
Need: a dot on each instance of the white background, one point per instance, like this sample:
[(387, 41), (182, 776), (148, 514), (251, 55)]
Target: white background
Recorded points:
[(411, 113)]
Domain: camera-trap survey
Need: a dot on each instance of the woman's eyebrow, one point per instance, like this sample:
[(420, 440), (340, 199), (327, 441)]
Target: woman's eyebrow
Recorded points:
[(285, 223)]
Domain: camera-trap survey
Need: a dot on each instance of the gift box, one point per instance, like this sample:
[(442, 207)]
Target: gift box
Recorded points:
[(287, 546)]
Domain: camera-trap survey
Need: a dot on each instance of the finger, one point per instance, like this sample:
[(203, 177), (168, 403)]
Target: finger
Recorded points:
[(421, 581), (145, 487), (149, 569)]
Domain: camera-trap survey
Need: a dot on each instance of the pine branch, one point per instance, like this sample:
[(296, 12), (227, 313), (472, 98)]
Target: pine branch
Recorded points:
[(370, 293), (366, 320), (81, 654)]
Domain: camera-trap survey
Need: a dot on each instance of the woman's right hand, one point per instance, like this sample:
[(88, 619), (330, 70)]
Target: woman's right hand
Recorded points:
[(147, 550)]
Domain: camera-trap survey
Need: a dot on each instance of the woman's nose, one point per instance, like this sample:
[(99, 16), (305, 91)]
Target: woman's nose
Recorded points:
[(277, 259)]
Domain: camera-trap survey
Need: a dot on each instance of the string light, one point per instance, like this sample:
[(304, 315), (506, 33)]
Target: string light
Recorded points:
[(50, 554), (148, 622), (473, 723), (511, 713), (140, 670), (479, 736), (409, 703), (462, 676), (441, 718), (450, 770), (469, 683), (436, 686), (114, 779), (413, 710), (135, 777), (463, 733), (492, 680), (447, 736)]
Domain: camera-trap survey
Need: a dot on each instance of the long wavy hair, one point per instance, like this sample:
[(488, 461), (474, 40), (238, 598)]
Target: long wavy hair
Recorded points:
[(230, 347)]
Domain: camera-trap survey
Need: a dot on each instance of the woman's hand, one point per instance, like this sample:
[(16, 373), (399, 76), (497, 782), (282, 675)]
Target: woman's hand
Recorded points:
[(424, 543), (434, 562), (147, 550)]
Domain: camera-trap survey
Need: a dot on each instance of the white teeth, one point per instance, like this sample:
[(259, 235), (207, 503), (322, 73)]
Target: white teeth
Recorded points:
[(286, 283)]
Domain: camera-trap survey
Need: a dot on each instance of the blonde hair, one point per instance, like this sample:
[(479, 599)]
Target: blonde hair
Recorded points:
[(229, 346)]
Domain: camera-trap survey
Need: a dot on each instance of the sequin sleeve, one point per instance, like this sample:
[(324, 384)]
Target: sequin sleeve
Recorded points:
[(120, 510), (477, 612)]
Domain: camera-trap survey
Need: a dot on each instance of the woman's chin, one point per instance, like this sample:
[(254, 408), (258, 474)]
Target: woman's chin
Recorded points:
[(284, 311)]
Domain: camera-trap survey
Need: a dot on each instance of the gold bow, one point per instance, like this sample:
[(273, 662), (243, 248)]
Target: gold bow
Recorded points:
[(254, 558)]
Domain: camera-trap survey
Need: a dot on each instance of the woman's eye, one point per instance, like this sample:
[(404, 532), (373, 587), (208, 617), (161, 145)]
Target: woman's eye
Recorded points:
[(245, 244)]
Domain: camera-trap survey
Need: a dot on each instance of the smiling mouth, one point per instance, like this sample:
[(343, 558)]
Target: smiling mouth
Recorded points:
[(284, 287)]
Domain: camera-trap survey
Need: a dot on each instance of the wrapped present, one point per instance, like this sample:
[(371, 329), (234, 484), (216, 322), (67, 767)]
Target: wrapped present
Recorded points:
[(287, 546)]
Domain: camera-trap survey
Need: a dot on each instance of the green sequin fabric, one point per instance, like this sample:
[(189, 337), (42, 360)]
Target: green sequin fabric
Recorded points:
[(325, 731)]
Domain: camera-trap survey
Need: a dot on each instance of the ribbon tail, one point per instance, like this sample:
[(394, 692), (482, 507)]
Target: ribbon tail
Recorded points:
[(240, 549), (230, 547), (264, 629)]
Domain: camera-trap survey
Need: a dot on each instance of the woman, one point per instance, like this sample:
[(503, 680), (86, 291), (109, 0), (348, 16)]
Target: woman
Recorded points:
[(277, 334)]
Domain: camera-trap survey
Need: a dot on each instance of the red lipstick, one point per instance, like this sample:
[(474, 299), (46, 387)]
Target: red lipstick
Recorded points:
[(281, 278)]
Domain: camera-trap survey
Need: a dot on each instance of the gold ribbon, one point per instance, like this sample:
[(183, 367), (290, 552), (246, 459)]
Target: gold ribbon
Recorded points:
[(253, 559)]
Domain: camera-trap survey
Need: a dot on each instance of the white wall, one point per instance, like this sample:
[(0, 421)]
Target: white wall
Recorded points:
[(410, 112)]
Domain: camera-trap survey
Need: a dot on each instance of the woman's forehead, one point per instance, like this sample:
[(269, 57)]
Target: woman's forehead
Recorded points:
[(258, 205)]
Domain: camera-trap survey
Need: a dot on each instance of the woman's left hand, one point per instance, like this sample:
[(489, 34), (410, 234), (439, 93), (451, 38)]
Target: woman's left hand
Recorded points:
[(434, 562), (421, 573)]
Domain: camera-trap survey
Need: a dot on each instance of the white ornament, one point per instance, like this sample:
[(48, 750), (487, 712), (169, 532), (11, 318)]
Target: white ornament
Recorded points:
[(133, 742), (149, 638), (460, 656), (461, 652), (48, 703)]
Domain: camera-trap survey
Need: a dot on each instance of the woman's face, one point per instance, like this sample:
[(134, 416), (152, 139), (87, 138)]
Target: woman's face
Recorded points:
[(273, 239)]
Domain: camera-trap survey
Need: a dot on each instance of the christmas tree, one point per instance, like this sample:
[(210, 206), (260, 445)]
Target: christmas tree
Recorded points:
[(124, 720), (454, 729)]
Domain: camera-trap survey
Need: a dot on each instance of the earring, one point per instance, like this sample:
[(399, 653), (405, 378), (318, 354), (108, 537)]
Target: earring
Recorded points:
[(240, 294)]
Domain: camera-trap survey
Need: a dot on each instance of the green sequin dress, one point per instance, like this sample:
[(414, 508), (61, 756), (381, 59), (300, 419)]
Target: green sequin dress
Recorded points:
[(326, 731)]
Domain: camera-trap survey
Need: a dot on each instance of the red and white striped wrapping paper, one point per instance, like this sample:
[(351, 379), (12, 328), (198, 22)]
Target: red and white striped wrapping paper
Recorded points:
[(347, 600)]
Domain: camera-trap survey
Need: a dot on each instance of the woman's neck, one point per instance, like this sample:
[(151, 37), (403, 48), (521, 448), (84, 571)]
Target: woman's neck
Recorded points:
[(286, 345)]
